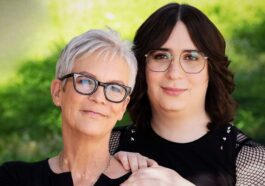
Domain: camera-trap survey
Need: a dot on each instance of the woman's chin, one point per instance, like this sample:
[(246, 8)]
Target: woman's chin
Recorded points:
[(173, 107)]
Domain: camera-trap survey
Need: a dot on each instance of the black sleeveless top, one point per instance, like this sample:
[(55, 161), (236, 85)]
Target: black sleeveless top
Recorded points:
[(221, 157), (40, 174)]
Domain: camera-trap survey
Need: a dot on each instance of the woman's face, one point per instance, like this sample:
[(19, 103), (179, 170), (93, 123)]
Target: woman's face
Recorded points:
[(173, 89), (93, 114)]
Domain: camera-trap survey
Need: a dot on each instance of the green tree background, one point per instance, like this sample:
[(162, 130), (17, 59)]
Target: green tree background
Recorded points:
[(33, 33)]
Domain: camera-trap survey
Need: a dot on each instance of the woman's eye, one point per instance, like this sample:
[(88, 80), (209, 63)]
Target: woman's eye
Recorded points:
[(160, 56), (191, 56), (115, 88), (85, 81)]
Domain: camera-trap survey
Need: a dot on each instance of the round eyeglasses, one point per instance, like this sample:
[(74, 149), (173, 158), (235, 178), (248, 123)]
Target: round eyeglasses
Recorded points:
[(191, 61), (86, 85)]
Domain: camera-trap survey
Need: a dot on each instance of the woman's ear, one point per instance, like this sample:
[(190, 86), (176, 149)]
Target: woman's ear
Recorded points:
[(56, 92)]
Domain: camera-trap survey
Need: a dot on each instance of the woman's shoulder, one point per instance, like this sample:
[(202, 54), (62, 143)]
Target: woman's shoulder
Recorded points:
[(115, 170), (119, 135), (18, 172), (114, 175), (243, 142), (250, 161), (247, 147), (20, 167)]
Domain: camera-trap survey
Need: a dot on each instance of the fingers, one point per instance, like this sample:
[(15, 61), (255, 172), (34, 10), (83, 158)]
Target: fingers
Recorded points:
[(142, 177), (134, 161), (122, 157), (156, 176), (151, 163)]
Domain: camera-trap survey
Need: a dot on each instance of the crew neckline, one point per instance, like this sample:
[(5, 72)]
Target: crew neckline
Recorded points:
[(68, 176), (204, 138)]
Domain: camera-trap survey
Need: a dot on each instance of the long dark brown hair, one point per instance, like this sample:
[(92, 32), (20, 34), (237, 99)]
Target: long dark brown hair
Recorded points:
[(154, 32)]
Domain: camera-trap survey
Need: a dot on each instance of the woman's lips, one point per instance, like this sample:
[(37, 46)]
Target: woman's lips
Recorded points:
[(93, 113), (173, 91)]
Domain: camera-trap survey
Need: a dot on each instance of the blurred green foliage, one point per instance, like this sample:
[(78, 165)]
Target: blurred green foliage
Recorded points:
[(30, 123)]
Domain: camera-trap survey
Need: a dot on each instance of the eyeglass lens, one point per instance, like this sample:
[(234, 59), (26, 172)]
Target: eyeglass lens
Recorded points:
[(87, 85), (191, 61)]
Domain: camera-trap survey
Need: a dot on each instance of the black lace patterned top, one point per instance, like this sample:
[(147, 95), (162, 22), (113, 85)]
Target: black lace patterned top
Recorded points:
[(223, 156), (40, 174)]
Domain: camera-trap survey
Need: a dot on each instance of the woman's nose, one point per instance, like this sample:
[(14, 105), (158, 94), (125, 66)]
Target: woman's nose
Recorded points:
[(174, 70), (98, 96)]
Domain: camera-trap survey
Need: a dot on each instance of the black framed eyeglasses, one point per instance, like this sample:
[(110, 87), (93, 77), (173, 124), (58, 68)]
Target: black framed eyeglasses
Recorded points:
[(86, 85), (191, 61)]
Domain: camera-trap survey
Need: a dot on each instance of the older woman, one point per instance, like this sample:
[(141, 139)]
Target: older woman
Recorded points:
[(95, 75), (182, 106)]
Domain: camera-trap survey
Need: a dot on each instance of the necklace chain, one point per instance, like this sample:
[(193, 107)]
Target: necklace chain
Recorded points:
[(62, 162)]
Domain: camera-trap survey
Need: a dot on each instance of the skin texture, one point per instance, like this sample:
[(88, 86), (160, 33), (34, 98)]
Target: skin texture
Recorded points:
[(174, 90), (93, 115)]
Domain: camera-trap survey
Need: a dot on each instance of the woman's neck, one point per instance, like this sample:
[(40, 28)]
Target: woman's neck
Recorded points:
[(86, 157), (180, 127)]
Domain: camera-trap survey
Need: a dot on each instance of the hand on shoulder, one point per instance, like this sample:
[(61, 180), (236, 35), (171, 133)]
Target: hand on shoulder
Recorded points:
[(156, 175), (115, 169), (134, 161)]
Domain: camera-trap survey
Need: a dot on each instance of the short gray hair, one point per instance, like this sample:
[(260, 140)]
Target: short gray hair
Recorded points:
[(93, 41)]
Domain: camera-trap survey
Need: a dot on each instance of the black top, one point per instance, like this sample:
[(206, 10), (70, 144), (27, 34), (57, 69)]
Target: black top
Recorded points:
[(40, 174), (210, 160), (224, 156)]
